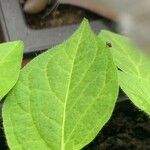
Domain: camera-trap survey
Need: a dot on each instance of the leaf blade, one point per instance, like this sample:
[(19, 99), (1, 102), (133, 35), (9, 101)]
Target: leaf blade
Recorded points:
[(135, 69), (10, 63), (54, 101)]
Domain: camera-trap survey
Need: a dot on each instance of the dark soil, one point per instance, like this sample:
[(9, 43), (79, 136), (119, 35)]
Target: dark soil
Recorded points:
[(60, 16), (3, 145), (128, 129)]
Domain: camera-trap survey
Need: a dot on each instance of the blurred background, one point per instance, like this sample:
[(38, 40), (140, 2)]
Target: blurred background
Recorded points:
[(131, 17)]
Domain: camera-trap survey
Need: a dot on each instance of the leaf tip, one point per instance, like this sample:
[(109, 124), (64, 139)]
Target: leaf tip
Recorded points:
[(85, 22)]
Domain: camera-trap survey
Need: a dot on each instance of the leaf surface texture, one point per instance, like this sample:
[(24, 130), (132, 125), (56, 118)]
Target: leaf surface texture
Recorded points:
[(63, 97)]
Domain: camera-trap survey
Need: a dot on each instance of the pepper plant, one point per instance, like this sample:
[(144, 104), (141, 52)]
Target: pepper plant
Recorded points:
[(64, 97)]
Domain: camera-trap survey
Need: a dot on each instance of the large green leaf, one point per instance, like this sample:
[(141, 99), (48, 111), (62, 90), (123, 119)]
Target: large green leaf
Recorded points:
[(63, 97), (10, 62), (134, 77)]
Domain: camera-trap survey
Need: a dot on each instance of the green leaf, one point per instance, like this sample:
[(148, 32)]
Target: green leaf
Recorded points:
[(63, 97), (10, 62), (134, 77)]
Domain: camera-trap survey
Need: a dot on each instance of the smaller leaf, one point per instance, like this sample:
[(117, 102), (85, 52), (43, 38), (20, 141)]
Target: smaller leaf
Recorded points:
[(10, 63), (134, 77)]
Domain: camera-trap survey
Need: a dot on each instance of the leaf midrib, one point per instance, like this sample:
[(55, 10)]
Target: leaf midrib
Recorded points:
[(5, 57), (67, 93)]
